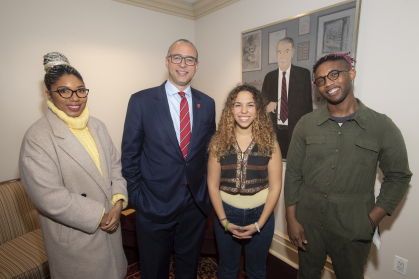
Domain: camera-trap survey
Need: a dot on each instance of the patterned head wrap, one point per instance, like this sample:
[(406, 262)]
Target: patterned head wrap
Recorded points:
[(53, 59)]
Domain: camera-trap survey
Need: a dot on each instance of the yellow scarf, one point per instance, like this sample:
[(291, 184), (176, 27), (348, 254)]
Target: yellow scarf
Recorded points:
[(78, 126)]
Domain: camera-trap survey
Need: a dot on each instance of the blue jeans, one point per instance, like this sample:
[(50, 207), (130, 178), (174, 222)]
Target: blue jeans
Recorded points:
[(256, 248)]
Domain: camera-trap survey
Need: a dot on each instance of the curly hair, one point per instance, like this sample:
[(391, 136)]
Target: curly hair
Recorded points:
[(262, 129)]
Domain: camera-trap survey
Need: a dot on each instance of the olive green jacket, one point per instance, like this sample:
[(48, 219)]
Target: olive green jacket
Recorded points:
[(331, 170)]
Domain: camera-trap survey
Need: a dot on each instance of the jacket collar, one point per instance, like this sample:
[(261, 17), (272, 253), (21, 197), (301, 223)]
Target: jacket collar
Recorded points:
[(360, 117), (73, 147), (161, 92), (162, 108)]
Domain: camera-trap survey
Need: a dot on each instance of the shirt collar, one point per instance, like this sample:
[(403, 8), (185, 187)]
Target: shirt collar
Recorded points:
[(360, 117), (323, 115), (287, 71), (172, 90)]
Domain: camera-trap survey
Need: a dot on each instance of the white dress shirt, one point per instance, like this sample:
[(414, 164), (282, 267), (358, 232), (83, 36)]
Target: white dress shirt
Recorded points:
[(174, 100)]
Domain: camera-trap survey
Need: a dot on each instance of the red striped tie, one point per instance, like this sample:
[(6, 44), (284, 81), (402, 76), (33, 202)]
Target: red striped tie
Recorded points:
[(284, 99), (185, 127)]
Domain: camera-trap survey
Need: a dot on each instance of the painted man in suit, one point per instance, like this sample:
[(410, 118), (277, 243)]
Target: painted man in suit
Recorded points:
[(164, 157), (290, 86)]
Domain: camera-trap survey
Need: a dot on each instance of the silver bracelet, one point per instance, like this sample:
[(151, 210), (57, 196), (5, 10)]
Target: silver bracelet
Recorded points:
[(256, 226)]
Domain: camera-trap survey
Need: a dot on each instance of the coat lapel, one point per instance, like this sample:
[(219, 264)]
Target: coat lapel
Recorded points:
[(196, 118), (72, 146), (291, 86), (163, 111), (93, 129), (294, 98), (275, 86)]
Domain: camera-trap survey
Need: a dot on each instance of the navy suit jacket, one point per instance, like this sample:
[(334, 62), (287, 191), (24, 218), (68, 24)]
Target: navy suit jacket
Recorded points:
[(152, 162)]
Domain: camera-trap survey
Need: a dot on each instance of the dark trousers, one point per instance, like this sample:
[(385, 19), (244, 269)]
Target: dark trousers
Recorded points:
[(336, 225), (155, 242), (256, 248), (348, 257), (283, 139)]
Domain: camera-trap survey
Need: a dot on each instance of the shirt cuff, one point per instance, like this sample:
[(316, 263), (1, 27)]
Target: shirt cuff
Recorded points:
[(118, 197), (100, 220)]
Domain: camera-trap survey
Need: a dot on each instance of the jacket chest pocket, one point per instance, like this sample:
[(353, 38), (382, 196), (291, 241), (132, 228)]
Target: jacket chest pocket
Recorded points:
[(366, 152), (315, 146)]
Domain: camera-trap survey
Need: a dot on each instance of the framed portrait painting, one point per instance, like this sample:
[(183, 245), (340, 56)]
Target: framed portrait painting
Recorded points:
[(251, 51), (335, 32), (304, 25), (291, 47)]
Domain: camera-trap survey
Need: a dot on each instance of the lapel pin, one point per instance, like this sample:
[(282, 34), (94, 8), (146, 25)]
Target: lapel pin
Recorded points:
[(198, 105)]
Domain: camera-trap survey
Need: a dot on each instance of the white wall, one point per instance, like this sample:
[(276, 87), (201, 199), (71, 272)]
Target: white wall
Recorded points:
[(387, 70), (119, 49)]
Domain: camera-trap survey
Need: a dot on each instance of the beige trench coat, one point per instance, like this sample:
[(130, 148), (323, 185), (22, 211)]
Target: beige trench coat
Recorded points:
[(70, 194)]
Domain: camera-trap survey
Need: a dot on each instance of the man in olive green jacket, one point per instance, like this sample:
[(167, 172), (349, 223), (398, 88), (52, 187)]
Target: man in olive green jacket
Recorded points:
[(331, 171)]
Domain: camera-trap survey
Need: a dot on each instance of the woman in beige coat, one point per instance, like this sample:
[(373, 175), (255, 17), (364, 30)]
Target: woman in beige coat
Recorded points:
[(71, 170)]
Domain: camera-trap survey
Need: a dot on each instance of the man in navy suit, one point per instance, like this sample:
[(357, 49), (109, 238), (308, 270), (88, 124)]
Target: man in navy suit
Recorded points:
[(164, 160)]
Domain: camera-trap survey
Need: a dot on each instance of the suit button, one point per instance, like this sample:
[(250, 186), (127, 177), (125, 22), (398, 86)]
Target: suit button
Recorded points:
[(84, 195), (333, 167), (328, 183), (322, 211), (321, 224), (186, 164), (325, 196)]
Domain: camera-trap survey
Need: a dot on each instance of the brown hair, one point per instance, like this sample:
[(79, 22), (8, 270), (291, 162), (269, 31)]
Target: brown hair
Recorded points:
[(262, 129)]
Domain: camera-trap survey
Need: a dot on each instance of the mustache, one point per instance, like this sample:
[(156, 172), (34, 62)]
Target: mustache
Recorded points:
[(282, 60)]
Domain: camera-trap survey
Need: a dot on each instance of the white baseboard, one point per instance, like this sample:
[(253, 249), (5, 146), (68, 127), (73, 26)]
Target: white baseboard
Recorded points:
[(282, 248)]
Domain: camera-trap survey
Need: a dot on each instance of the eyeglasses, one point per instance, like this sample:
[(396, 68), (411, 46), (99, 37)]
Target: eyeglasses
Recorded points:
[(177, 59), (67, 93), (332, 75)]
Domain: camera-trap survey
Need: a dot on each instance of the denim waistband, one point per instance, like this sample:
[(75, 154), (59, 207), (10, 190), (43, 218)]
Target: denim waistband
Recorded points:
[(242, 210)]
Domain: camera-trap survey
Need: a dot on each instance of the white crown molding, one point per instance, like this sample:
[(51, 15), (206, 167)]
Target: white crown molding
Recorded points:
[(181, 8), (205, 7), (171, 7)]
